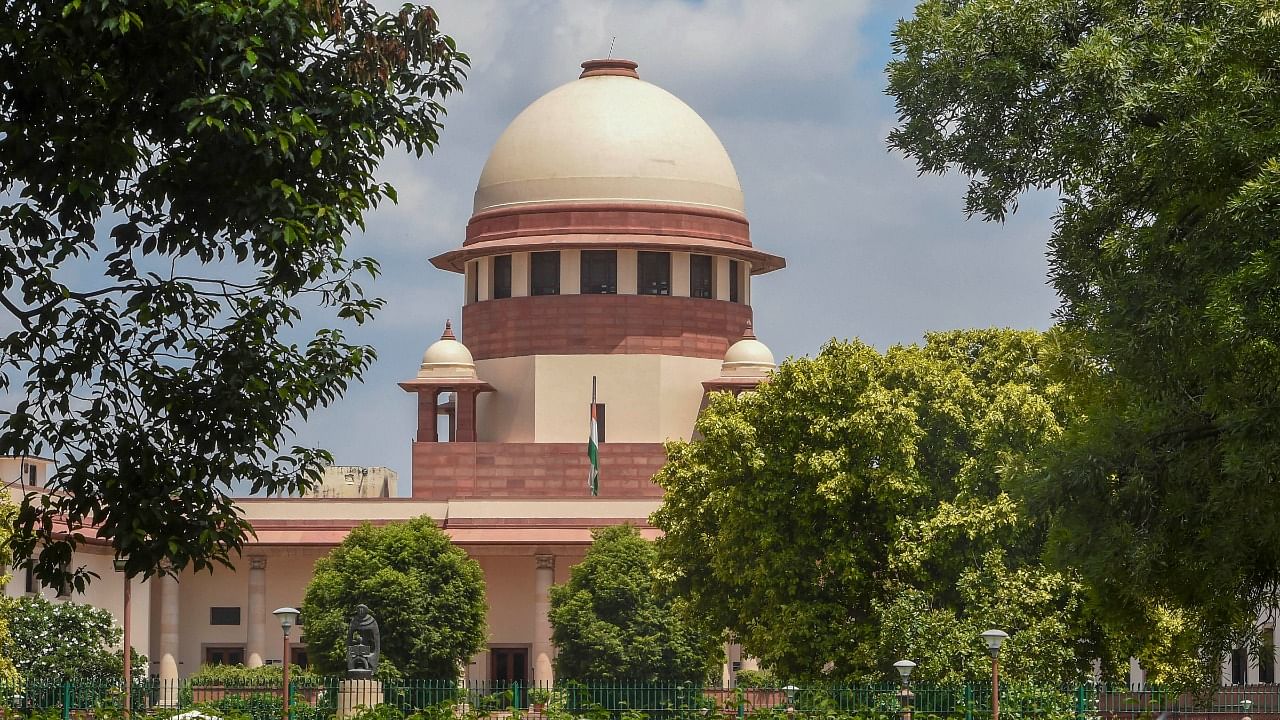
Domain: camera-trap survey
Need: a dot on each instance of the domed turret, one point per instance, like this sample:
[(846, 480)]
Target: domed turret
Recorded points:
[(748, 358), (609, 136), (447, 358), (608, 161)]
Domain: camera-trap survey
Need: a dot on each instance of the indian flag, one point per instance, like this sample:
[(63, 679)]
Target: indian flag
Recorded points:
[(593, 446)]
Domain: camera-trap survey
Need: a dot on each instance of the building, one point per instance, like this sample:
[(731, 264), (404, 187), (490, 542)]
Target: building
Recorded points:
[(350, 481), (609, 247)]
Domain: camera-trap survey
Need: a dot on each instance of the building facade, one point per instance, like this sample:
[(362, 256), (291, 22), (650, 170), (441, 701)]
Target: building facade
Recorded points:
[(609, 248)]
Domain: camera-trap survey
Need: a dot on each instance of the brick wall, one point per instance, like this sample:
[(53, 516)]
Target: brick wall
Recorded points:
[(444, 471), (603, 324)]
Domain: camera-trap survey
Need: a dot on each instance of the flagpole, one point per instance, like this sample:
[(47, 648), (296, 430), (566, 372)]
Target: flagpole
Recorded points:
[(593, 447)]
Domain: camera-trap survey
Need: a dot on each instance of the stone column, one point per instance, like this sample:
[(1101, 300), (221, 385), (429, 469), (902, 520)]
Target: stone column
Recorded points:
[(544, 577), (169, 640), (427, 415), (255, 609), (465, 415)]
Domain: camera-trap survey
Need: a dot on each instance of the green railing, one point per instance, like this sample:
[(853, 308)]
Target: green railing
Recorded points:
[(324, 698)]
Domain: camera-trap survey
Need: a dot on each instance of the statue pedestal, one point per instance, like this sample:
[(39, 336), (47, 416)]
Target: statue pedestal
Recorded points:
[(358, 693)]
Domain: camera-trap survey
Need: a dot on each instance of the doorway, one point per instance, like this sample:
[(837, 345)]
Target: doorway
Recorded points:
[(509, 664)]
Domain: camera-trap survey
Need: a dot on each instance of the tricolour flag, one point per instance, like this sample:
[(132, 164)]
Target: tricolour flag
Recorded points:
[(593, 446)]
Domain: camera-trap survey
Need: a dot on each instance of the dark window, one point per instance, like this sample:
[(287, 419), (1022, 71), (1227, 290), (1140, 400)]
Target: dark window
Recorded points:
[(224, 616), (600, 423), (224, 655), (30, 579), (501, 277), (509, 664), (298, 656), (31, 473), (65, 587), (653, 273), (544, 273), (599, 272), (1239, 666), (734, 270), (1267, 657), (700, 274), (473, 287)]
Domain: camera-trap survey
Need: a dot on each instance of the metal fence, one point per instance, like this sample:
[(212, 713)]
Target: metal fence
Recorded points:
[(323, 698)]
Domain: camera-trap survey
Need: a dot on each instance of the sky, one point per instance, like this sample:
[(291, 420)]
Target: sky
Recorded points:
[(795, 91)]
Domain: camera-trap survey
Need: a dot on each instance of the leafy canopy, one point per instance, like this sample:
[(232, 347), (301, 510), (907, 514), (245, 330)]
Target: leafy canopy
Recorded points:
[(1156, 123), (8, 673), (427, 595), (53, 642), (177, 180), (854, 511), (610, 622)]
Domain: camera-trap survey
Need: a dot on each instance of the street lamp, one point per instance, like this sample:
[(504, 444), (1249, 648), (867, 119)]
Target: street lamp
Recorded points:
[(791, 691), (120, 565), (1245, 704), (288, 618), (905, 696), (994, 639)]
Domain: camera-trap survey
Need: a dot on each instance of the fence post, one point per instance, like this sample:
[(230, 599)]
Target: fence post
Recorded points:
[(515, 694), (742, 703), (968, 700), (1080, 703), (66, 700)]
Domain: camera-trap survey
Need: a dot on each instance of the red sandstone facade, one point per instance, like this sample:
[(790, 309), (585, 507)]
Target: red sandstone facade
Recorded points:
[(603, 324)]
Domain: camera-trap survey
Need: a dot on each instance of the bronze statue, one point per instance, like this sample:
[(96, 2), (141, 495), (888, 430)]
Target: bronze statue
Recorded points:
[(364, 644)]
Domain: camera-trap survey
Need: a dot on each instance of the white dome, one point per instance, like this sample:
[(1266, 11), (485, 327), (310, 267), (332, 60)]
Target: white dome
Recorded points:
[(609, 137), (748, 358), (447, 358)]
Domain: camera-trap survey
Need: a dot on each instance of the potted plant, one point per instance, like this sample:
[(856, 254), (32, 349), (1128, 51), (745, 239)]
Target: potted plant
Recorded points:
[(538, 697)]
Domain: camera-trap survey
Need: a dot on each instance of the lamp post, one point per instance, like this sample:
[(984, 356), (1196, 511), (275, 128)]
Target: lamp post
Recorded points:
[(791, 691), (905, 696), (288, 618), (994, 639), (120, 566)]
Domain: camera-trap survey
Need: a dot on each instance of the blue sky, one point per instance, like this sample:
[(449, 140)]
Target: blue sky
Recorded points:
[(795, 92)]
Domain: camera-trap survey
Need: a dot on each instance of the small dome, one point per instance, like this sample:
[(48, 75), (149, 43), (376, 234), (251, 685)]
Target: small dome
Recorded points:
[(609, 137), (748, 358), (447, 358)]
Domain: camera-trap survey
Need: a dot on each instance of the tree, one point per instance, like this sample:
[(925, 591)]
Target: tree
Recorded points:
[(8, 673), (854, 511), (1155, 123), (610, 622), (426, 594), (178, 181), (55, 642)]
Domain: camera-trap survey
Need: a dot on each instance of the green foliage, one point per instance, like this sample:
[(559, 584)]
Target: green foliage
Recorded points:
[(854, 511), (441, 711), (610, 622), (756, 679), (261, 676), (8, 673), (55, 642), (427, 595), (178, 181), (1156, 123), (258, 706)]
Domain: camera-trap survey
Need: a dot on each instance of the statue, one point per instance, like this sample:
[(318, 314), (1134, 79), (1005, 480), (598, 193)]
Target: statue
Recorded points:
[(364, 644)]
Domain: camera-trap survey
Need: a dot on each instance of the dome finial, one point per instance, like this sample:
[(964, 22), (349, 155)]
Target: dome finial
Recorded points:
[(448, 331), (610, 66), (748, 333)]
